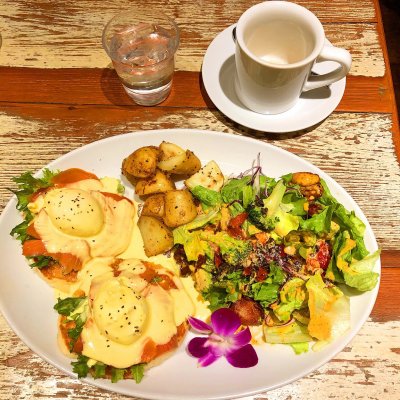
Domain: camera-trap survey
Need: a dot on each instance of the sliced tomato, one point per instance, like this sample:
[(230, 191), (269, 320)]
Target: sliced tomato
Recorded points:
[(72, 175), (235, 226), (323, 255), (262, 274)]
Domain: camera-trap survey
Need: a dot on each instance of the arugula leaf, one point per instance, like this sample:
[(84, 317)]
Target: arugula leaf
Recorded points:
[(117, 374), (75, 309), (19, 231), (80, 366), (99, 370), (27, 185), (137, 372), (40, 261), (68, 305)]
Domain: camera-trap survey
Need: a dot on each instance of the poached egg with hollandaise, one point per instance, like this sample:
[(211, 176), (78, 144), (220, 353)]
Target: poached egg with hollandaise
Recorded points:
[(78, 219), (134, 314)]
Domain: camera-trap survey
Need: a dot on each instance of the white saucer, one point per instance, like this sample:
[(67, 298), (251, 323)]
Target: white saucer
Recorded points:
[(218, 76)]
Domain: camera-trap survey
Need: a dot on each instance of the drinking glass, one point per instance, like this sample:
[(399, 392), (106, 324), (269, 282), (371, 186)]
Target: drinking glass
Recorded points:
[(142, 47)]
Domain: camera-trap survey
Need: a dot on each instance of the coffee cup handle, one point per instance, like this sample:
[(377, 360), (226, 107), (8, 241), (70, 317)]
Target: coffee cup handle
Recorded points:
[(330, 53)]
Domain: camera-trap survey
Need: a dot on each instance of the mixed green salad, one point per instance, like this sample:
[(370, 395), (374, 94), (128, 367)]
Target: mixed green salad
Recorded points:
[(277, 251)]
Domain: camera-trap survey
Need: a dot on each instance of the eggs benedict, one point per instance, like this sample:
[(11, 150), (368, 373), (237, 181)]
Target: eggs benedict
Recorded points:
[(76, 218), (132, 315)]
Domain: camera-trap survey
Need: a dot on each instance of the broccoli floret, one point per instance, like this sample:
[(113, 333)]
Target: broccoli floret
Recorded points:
[(233, 251), (258, 216)]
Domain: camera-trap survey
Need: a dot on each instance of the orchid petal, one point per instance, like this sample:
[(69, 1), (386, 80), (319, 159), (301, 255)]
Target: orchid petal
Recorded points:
[(218, 348), (225, 322), (241, 338), (244, 357), (197, 348), (207, 359), (199, 325)]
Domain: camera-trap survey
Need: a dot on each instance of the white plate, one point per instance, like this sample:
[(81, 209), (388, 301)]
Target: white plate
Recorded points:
[(27, 302), (218, 76)]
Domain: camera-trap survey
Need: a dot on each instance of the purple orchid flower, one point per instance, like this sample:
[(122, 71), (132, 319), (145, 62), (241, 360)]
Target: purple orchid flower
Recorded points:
[(223, 340)]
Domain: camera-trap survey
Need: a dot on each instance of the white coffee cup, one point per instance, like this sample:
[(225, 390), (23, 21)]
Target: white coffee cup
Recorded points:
[(277, 43)]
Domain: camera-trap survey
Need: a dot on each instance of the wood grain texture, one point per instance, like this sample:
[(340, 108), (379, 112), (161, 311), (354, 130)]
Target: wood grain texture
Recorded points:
[(78, 86), (356, 149), (67, 34), (367, 368), (58, 92)]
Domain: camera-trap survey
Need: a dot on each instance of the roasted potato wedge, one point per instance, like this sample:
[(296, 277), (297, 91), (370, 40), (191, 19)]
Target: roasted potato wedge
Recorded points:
[(154, 206), (179, 208), (157, 237), (142, 163), (159, 183), (168, 150), (210, 176), (186, 163)]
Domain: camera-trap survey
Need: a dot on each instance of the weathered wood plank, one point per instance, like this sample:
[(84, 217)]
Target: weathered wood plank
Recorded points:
[(366, 369), (67, 34), (96, 86), (355, 149)]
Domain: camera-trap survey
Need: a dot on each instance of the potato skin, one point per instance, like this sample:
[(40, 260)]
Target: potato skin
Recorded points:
[(159, 183), (157, 237), (168, 150), (186, 163), (154, 206), (179, 208), (142, 163), (210, 176)]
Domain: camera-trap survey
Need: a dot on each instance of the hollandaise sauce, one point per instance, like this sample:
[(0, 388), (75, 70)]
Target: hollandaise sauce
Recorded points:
[(129, 314)]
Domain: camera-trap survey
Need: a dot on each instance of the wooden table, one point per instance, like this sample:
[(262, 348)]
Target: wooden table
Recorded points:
[(57, 93)]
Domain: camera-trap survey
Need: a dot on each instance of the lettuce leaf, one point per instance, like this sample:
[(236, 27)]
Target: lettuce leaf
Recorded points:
[(208, 197), (293, 296), (287, 334), (329, 310), (300, 347), (359, 275), (273, 201), (319, 223), (233, 189), (190, 238), (347, 221), (267, 292)]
